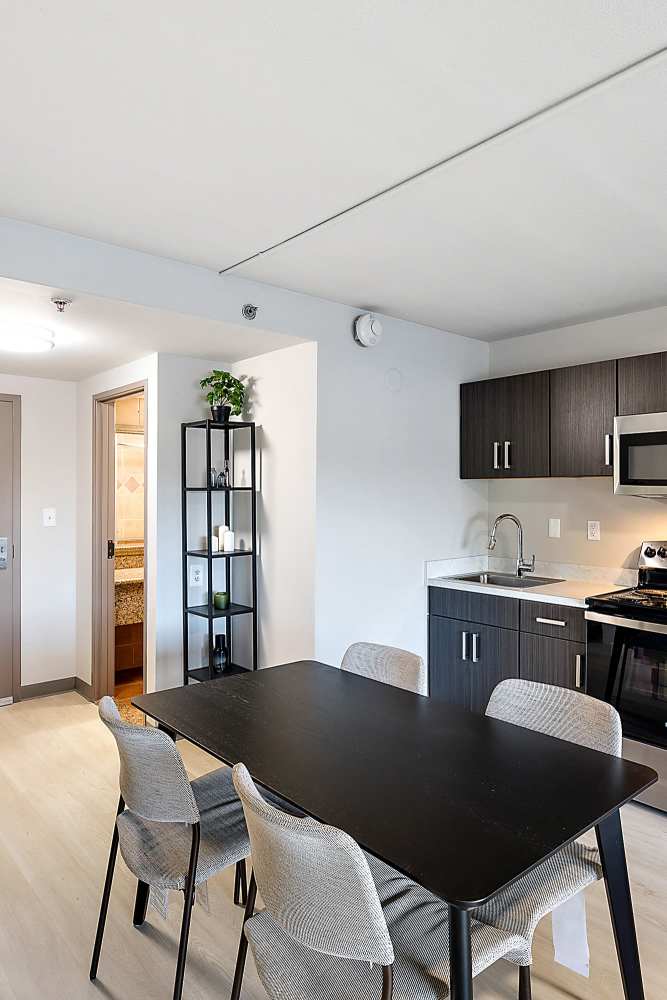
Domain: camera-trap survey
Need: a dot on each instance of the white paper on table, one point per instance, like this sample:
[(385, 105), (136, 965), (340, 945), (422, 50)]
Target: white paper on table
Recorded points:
[(159, 900), (570, 936)]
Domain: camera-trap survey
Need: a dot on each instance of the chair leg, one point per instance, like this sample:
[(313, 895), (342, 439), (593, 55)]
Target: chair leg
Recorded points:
[(237, 884), (525, 992), (189, 894), (243, 941), (243, 884), (105, 896), (140, 903)]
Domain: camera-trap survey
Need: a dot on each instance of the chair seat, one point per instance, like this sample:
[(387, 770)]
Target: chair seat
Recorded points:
[(419, 929), (519, 909), (159, 853)]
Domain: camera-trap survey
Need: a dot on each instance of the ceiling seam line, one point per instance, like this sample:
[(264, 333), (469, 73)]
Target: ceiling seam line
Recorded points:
[(471, 147)]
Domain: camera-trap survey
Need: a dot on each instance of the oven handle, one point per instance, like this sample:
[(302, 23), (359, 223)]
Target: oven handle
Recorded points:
[(639, 626)]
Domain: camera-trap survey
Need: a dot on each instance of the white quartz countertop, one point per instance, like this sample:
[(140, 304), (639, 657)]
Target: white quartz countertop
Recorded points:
[(570, 592)]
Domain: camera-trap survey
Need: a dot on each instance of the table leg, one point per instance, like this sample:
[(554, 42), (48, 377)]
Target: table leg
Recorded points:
[(612, 854), (168, 731), (460, 956)]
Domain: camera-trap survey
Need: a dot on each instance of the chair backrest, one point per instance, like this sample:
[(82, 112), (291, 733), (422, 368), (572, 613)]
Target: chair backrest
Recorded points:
[(387, 664), (556, 711), (314, 880), (153, 779)]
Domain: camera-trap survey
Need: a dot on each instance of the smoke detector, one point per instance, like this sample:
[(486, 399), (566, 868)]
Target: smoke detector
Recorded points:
[(367, 330), (61, 303)]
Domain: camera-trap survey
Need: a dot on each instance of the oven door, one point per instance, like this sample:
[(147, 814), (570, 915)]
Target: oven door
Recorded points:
[(626, 665), (640, 454)]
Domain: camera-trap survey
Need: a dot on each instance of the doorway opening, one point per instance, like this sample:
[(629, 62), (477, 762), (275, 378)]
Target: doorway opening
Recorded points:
[(119, 531), (129, 466)]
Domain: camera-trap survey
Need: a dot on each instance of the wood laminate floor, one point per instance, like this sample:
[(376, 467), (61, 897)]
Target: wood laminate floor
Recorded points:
[(58, 794)]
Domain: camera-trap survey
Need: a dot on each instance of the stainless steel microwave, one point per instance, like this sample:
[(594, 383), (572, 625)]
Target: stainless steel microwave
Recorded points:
[(640, 455)]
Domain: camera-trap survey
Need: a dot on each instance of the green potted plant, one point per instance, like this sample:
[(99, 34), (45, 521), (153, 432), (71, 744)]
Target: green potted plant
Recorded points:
[(226, 395)]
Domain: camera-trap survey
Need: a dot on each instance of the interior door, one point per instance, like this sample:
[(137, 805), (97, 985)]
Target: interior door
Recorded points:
[(104, 518), (8, 595)]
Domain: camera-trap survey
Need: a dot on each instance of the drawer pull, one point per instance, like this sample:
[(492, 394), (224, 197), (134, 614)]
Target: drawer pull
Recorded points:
[(551, 621)]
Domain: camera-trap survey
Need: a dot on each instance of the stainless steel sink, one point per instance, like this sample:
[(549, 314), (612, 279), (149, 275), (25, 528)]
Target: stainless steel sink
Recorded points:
[(506, 580)]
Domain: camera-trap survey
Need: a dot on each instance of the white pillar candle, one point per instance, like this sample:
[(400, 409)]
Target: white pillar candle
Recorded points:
[(228, 541), (221, 534)]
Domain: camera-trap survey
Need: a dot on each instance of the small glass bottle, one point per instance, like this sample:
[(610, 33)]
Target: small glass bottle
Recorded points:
[(220, 654), (227, 474), (212, 477), (221, 480)]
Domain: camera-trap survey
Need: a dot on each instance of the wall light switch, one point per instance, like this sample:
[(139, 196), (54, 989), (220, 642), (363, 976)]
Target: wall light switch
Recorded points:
[(196, 576), (554, 527), (49, 517), (593, 531)]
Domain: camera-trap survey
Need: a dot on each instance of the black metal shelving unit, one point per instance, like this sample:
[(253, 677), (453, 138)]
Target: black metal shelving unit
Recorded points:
[(208, 611)]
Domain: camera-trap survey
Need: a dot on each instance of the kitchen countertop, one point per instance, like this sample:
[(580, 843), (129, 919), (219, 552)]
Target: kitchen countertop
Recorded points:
[(572, 593)]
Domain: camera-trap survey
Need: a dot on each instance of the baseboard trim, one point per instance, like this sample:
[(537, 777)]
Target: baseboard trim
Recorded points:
[(47, 687), (84, 689)]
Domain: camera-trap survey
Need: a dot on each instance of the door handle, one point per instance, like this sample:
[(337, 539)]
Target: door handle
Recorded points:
[(496, 454), (551, 621), (111, 548), (608, 451), (508, 464), (464, 645), (577, 670), (475, 647)]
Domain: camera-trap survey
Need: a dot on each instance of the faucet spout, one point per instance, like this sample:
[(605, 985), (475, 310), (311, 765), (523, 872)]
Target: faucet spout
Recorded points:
[(521, 565)]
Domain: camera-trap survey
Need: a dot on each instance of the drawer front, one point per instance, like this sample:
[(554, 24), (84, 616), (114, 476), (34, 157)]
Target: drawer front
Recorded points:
[(471, 607), (556, 620), (553, 661)]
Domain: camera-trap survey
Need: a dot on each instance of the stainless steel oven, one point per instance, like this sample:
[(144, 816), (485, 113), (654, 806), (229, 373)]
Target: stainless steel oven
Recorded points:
[(640, 455), (627, 667)]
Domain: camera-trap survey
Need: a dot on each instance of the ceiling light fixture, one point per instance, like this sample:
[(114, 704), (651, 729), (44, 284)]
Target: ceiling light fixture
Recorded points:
[(23, 339)]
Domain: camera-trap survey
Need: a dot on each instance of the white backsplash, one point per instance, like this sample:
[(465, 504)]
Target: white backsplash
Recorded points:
[(564, 571)]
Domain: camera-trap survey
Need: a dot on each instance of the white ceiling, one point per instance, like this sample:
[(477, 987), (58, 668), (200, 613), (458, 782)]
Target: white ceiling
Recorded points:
[(209, 133), (94, 334)]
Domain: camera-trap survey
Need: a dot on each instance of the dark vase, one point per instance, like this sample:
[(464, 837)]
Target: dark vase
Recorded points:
[(221, 414), (220, 654)]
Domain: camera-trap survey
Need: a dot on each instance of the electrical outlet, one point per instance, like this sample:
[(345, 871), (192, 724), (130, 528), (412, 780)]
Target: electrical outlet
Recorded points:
[(593, 531), (49, 517), (554, 527), (196, 576)]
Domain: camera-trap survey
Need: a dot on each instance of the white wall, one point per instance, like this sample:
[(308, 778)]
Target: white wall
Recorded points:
[(48, 468), (283, 402), (388, 492), (625, 521), (115, 378)]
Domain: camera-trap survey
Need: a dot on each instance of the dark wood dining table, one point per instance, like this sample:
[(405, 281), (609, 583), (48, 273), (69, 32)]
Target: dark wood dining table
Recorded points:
[(463, 804)]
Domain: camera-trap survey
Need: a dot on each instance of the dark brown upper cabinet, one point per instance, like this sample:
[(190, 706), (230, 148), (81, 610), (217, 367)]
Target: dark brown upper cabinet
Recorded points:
[(505, 427), (583, 406), (642, 384)]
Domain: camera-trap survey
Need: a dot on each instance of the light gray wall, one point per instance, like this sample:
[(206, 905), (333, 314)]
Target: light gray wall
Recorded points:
[(625, 521)]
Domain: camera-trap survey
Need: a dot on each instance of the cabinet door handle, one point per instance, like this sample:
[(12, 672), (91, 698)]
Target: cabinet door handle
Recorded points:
[(464, 645), (551, 621), (577, 670), (496, 454), (608, 451), (475, 647), (508, 464)]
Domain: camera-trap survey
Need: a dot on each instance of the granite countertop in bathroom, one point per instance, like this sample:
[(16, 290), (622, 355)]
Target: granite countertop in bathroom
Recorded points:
[(127, 576)]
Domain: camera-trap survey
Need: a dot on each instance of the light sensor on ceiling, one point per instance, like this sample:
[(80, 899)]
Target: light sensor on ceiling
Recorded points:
[(20, 339)]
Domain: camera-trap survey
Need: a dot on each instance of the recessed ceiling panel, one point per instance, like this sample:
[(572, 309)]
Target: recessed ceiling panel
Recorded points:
[(559, 221)]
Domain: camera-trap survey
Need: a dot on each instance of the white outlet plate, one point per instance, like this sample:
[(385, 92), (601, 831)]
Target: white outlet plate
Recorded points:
[(593, 531), (196, 576), (554, 527), (49, 517)]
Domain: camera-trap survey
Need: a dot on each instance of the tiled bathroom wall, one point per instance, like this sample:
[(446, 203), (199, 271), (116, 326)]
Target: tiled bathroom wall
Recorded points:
[(129, 487)]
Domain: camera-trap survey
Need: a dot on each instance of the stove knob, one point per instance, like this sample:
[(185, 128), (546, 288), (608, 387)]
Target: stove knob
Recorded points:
[(662, 552), (649, 552)]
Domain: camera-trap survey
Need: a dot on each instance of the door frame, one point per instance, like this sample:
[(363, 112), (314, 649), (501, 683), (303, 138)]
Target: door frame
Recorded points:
[(104, 528), (16, 542)]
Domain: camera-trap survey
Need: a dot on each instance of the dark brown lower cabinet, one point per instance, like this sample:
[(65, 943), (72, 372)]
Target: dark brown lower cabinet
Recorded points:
[(553, 661), (467, 660)]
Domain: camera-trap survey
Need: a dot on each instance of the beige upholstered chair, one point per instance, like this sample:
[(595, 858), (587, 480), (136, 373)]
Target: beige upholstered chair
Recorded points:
[(567, 715), (172, 833), (338, 923), (387, 664)]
